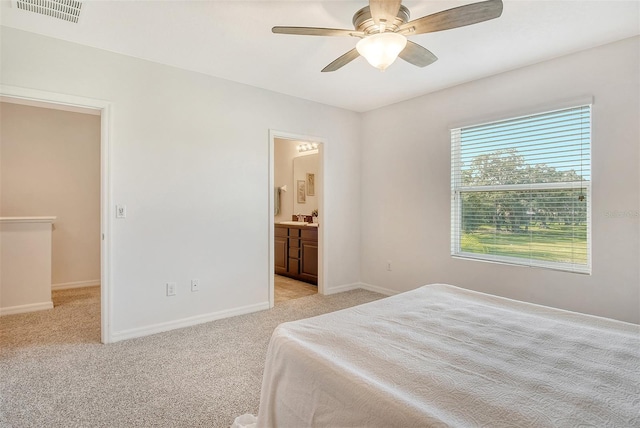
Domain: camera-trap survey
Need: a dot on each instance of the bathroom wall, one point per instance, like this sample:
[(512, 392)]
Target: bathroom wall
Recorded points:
[(302, 165), (283, 153), (289, 167)]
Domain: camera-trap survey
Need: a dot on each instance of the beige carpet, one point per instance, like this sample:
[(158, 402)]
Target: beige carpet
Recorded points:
[(55, 373)]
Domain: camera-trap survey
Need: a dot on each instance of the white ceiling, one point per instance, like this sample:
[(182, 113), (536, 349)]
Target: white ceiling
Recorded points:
[(233, 40)]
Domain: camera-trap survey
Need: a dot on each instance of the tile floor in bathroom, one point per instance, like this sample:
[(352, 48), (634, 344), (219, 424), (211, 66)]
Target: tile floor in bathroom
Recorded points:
[(288, 289)]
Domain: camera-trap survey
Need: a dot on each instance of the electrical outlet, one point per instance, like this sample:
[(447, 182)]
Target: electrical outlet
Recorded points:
[(195, 284), (389, 265), (171, 288), (121, 211)]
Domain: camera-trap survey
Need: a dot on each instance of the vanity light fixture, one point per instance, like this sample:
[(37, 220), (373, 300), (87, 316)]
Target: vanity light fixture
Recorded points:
[(307, 147)]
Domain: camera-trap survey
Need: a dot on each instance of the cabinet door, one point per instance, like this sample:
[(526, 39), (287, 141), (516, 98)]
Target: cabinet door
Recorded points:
[(294, 267), (280, 255), (309, 261)]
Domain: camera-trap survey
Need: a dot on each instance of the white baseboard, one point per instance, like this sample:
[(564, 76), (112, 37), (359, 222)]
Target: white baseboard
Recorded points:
[(185, 322), (201, 319), (342, 288), (75, 284), (360, 285), (32, 307), (376, 289)]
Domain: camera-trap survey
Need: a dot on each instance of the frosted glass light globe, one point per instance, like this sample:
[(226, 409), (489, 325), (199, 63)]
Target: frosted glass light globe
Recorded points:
[(381, 49)]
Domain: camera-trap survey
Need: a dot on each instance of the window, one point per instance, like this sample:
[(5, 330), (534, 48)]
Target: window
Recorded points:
[(521, 190)]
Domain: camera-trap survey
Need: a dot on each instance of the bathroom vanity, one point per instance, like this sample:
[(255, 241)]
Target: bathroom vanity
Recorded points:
[(296, 251)]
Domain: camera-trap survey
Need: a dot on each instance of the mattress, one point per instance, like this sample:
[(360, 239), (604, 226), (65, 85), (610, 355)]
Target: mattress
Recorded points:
[(445, 356)]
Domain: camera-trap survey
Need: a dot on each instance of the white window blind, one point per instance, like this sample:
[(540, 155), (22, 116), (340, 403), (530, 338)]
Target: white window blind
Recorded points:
[(521, 190)]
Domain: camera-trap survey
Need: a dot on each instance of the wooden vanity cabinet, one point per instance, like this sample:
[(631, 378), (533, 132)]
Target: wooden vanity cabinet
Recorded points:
[(296, 252), (309, 256), (281, 250)]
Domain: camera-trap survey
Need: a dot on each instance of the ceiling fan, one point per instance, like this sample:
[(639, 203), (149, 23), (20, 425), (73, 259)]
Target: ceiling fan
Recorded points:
[(383, 26)]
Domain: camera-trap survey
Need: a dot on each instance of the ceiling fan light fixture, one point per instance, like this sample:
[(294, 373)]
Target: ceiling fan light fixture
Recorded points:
[(381, 49)]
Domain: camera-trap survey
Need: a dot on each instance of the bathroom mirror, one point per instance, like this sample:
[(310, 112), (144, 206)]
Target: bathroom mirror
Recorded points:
[(305, 176)]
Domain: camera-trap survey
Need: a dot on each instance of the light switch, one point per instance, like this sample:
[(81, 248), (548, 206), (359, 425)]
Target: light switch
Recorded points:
[(121, 211)]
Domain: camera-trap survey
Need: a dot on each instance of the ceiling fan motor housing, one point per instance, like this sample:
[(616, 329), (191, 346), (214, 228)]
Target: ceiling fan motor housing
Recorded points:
[(362, 21)]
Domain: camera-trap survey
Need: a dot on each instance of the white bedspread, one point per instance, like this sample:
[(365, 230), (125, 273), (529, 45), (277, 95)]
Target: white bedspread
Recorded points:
[(444, 356)]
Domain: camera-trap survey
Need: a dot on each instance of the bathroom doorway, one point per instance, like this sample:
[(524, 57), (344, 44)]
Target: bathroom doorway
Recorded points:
[(296, 217)]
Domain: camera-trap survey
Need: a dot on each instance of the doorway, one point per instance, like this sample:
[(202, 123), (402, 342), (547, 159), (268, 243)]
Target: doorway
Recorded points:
[(296, 216), (86, 290)]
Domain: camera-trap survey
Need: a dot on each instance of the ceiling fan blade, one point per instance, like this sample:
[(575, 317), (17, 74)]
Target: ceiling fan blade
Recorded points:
[(417, 55), (313, 31), (384, 10), (454, 18), (342, 61)]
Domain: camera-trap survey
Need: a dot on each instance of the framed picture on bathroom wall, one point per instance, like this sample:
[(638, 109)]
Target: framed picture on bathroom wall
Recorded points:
[(302, 193), (311, 184)]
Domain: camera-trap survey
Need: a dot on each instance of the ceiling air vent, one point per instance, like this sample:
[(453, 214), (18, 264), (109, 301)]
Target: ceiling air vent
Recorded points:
[(67, 10)]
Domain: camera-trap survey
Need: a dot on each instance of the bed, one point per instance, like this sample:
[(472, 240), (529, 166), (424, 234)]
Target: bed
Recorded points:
[(445, 356)]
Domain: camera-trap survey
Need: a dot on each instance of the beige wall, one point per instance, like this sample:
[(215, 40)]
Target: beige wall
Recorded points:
[(50, 166), (302, 165), (284, 153)]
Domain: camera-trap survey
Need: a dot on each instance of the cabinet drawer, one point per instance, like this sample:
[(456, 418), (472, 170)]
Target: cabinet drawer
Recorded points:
[(294, 253), (310, 234), (281, 231), (294, 242), (294, 232)]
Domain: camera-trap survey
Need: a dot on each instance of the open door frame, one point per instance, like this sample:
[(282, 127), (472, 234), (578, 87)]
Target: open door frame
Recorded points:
[(322, 207), (74, 103)]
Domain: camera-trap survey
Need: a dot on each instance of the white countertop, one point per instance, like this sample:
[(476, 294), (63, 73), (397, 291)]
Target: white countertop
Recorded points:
[(48, 219)]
